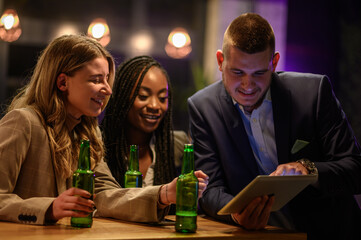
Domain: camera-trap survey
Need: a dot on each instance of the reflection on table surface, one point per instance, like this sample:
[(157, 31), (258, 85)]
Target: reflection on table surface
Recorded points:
[(105, 228)]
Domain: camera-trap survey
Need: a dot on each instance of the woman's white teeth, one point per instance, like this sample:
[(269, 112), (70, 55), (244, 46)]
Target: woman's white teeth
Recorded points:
[(151, 116)]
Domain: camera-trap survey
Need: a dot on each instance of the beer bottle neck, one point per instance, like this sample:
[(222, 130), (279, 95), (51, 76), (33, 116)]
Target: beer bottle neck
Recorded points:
[(134, 158), (188, 160), (84, 155)]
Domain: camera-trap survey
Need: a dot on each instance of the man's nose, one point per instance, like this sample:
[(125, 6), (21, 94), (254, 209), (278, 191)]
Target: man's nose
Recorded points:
[(246, 82)]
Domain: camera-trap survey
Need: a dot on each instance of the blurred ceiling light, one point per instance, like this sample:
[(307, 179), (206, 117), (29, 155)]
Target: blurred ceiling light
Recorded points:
[(179, 40), (99, 30), (8, 21), (141, 43), (179, 37), (179, 43), (10, 29)]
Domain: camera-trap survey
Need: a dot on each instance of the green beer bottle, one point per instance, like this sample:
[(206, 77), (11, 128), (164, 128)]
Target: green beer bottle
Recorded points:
[(84, 178), (133, 178), (187, 194)]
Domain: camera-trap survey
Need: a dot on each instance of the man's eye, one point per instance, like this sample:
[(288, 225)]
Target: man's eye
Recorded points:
[(237, 72), (259, 73)]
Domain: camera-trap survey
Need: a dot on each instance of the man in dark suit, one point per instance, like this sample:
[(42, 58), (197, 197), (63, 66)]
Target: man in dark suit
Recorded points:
[(258, 121)]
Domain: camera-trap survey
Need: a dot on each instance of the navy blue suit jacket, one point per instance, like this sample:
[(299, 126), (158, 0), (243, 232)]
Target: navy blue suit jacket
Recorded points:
[(304, 108)]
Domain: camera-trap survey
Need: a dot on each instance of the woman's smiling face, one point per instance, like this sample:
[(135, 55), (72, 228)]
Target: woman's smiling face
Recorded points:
[(151, 103), (87, 89)]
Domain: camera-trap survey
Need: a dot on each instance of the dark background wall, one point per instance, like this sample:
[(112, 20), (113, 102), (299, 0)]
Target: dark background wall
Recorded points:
[(325, 37)]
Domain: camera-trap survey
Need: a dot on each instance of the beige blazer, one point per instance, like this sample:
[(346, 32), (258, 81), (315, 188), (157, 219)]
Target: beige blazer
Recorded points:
[(28, 183)]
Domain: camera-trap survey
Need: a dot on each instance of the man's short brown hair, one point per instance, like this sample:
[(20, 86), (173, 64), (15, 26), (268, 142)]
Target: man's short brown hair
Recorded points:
[(250, 33)]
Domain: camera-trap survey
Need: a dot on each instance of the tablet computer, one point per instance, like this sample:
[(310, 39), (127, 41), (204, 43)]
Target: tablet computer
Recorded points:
[(284, 188)]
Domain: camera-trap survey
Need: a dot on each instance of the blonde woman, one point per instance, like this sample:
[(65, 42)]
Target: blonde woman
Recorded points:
[(40, 136)]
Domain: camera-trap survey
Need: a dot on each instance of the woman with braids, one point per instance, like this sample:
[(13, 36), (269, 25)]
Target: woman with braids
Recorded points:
[(40, 137), (140, 112)]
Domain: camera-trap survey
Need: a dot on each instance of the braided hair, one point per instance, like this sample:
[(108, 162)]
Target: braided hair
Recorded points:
[(129, 76)]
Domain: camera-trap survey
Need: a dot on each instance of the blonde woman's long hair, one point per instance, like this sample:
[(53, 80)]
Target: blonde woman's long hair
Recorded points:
[(66, 54)]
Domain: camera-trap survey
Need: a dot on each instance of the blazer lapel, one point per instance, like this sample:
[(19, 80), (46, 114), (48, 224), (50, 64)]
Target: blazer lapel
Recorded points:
[(281, 104), (61, 185), (236, 130)]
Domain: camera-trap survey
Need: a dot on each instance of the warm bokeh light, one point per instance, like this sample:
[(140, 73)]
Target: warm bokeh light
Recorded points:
[(99, 30), (179, 44), (179, 37), (177, 53), (141, 42), (179, 40), (10, 26), (8, 21)]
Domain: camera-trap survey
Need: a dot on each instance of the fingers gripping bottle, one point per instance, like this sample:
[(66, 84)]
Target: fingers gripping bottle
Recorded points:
[(84, 178)]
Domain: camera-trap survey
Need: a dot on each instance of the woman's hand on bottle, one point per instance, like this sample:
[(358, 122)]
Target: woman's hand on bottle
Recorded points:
[(70, 200), (203, 182), (168, 192)]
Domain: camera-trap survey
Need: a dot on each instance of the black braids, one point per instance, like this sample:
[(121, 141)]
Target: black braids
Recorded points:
[(164, 145), (126, 105)]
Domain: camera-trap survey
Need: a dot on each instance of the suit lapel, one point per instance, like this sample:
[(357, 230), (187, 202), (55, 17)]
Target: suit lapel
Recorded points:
[(281, 104), (236, 130)]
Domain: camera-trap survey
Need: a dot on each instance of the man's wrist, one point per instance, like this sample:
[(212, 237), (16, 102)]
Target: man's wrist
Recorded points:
[(310, 166)]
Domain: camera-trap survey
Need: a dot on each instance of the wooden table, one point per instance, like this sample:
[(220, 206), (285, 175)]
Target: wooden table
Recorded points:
[(105, 228)]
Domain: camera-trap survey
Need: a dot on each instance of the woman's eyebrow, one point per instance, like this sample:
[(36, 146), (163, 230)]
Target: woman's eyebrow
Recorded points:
[(149, 90)]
